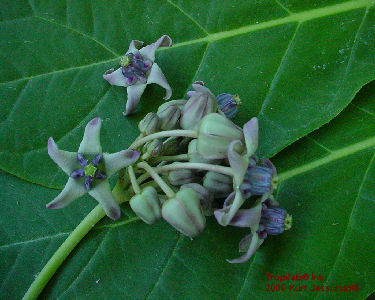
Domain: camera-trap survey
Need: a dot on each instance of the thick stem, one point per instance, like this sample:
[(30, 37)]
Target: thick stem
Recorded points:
[(162, 134), (165, 187), (133, 180), (199, 166), (66, 248)]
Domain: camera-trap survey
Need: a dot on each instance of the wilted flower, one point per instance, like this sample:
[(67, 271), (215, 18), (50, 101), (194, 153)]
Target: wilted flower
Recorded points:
[(201, 103), (89, 177), (265, 218), (228, 104), (137, 70)]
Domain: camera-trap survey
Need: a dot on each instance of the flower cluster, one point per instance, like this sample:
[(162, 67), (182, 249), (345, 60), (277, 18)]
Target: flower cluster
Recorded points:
[(190, 161)]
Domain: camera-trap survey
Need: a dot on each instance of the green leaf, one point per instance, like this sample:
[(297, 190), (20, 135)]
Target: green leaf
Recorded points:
[(327, 184), (296, 66)]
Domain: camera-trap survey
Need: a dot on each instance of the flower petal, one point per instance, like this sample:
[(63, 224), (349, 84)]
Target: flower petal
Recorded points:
[(134, 95), (149, 51), (134, 46), (226, 214), (116, 77), (198, 86), (250, 131), (156, 76), (245, 242), (72, 190), (67, 161), (237, 162), (91, 139), (102, 193), (248, 217), (119, 160), (254, 245)]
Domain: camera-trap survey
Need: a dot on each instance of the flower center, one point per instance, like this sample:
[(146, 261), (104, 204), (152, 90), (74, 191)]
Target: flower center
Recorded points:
[(125, 61), (90, 170)]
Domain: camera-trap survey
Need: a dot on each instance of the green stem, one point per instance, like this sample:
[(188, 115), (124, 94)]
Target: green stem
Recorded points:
[(64, 250), (170, 158), (165, 187), (199, 166), (133, 180), (162, 134)]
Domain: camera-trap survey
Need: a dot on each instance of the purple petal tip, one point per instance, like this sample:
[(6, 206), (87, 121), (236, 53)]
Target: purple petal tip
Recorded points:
[(95, 121), (114, 213)]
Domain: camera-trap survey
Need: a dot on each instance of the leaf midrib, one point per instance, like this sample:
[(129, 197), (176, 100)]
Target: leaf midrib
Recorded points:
[(299, 17)]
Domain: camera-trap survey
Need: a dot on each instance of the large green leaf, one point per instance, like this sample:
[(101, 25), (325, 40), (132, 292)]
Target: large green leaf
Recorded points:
[(296, 64), (327, 184)]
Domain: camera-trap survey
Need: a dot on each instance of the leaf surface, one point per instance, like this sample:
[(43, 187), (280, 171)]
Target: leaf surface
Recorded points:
[(295, 64)]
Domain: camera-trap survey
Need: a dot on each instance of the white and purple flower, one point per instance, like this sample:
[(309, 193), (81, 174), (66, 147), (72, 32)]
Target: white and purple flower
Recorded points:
[(137, 70), (90, 177)]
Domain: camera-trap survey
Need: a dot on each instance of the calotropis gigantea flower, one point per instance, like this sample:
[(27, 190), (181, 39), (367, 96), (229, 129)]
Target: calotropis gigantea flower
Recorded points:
[(137, 70), (265, 218), (240, 164), (85, 177)]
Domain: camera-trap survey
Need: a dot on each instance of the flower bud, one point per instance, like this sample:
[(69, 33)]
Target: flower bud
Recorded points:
[(179, 177), (154, 148), (199, 105), (171, 146), (149, 124), (184, 212), (228, 104), (215, 134), (169, 114), (195, 156), (205, 197), (146, 205), (219, 184)]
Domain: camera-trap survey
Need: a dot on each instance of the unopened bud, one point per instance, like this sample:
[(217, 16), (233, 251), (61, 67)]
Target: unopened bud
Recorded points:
[(199, 105), (183, 176), (215, 134), (146, 205), (204, 196), (195, 156), (184, 212), (149, 124), (219, 184), (154, 148), (169, 114)]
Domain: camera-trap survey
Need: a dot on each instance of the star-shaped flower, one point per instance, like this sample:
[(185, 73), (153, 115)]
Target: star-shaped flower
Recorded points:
[(137, 70), (90, 177)]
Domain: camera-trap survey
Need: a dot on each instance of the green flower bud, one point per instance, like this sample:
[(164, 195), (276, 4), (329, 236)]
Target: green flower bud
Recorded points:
[(149, 124), (215, 134), (154, 148), (205, 197), (179, 177), (195, 156), (169, 114), (199, 105), (219, 184), (146, 205), (171, 146), (184, 212)]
